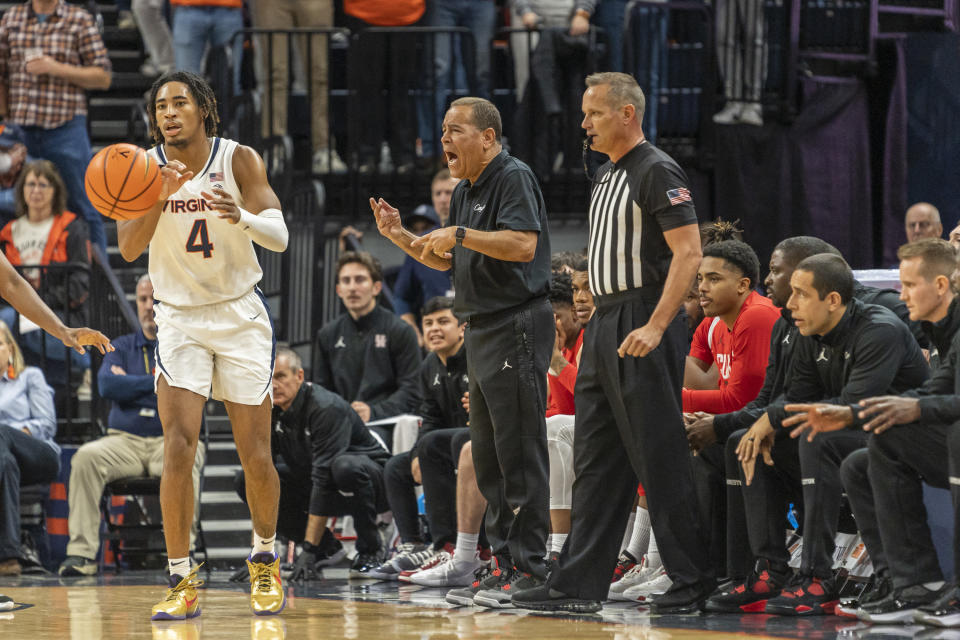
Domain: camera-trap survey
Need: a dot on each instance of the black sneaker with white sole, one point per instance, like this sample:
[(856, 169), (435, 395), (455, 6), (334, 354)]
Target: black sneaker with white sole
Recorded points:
[(945, 612), (900, 606), (878, 590), (543, 598), (75, 566)]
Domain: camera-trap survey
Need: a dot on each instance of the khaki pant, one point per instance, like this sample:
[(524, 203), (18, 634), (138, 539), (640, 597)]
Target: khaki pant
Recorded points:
[(117, 455), (285, 14)]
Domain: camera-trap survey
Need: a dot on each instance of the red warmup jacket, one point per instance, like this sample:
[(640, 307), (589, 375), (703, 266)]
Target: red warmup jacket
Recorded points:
[(741, 356), (561, 387)]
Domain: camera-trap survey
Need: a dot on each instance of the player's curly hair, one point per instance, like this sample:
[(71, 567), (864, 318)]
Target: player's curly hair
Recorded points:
[(738, 254), (720, 230), (202, 94), (561, 289)]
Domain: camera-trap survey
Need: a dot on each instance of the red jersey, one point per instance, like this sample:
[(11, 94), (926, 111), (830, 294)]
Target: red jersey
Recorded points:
[(560, 400), (741, 356)]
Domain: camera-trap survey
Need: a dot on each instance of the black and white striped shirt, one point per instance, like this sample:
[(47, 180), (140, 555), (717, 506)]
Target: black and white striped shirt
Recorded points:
[(634, 201)]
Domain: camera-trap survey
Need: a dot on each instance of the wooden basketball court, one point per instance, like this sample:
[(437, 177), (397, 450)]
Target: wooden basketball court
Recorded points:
[(111, 606)]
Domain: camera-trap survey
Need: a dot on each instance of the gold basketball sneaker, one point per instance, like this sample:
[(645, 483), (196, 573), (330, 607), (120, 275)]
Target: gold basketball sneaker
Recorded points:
[(266, 590), (181, 601)]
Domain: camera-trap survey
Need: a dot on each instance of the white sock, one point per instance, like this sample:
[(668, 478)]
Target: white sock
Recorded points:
[(653, 553), (466, 548), (641, 534), (262, 545), (556, 544), (628, 532), (179, 566)]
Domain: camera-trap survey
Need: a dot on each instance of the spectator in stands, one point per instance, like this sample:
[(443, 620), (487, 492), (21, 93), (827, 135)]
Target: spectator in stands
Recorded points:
[(906, 454), (367, 356), (289, 14), (329, 465), (883, 358), (955, 237), (542, 14), (13, 156), (417, 283), (45, 233), (198, 24), (387, 62), (480, 16), (923, 221), (742, 56), (28, 454), (133, 445), (151, 19), (611, 16), (443, 383), (50, 53)]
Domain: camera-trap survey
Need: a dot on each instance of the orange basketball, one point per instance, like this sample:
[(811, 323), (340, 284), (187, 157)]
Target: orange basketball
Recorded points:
[(123, 181)]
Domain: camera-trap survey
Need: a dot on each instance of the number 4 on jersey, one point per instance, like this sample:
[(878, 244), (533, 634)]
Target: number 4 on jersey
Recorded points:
[(199, 240)]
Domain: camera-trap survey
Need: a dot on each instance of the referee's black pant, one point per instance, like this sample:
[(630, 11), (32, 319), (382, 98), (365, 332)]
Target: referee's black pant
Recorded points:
[(508, 355), (630, 426)]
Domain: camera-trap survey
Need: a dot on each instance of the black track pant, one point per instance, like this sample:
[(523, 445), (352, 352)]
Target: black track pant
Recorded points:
[(401, 496), (820, 462), (630, 427), (768, 496), (854, 474), (721, 511), (900, 459), (508, 355), (439, 454)]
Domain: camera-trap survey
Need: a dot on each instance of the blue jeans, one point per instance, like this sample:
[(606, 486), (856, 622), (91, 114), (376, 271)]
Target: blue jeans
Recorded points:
[(194, 27), (650, 38), (611, 17), (480, 17), (68, 147)]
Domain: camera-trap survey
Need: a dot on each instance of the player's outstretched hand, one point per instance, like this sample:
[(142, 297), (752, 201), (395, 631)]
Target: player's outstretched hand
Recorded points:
[(82, 337), (173, 174), (388, 218), (222, 202)]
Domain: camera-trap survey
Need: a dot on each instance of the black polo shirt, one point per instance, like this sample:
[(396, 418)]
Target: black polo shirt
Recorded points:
[(505, 196), (634, 201)]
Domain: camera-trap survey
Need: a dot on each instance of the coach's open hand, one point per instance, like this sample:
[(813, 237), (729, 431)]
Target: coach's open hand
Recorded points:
[(388, 219), (76, 339), (438, 242), (640, 342), (222, 202), (817, 418), (173, 174)]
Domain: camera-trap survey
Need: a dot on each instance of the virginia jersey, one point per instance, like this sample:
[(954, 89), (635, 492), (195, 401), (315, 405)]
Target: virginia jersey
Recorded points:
[(195, 257)]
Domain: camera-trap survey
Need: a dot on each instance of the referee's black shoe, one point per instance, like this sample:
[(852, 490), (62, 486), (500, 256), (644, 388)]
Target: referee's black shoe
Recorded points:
[(690, 598), (544, 598)]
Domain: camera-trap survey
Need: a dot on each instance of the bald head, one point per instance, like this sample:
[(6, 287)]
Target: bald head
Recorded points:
[(923, 221)]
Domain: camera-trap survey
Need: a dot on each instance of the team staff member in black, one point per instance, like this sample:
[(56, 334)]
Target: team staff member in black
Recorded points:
[(847, 351), (368, 356), (644, 250), (443, 383), (499, 248), (329, 465)]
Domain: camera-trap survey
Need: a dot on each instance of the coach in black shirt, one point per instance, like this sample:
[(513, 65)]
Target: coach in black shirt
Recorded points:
[(499, 248), (644, 250)]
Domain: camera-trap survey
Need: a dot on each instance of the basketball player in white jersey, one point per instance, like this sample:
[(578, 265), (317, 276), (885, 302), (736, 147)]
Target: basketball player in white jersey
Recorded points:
[(214, 330)]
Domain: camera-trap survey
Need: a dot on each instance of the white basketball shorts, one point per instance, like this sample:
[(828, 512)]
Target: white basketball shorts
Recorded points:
[(225, 348)]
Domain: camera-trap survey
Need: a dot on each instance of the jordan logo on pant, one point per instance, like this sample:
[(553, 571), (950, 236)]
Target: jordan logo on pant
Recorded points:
[(506, 365)]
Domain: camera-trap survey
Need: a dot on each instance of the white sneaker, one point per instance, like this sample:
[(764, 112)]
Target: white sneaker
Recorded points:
[(656, 585), (439, 558), (449, 574), (328, 161), (637, 575), (752, 113), (730, 114)]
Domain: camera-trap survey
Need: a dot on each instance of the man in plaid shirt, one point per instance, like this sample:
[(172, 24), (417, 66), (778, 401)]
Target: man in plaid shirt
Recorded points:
[(50, 53)]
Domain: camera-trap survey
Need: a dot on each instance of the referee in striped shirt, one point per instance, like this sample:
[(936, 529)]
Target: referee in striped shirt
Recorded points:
[(644, 252)]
